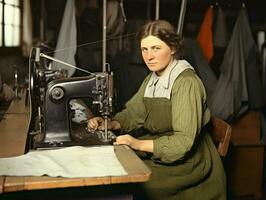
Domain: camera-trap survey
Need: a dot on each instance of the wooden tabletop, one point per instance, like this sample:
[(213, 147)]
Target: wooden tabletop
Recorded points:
[(136, 169), (13, 132), (13, 128)]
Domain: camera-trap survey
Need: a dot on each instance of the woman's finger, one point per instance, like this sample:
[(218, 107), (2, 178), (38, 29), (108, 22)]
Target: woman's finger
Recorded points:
[(93, 124)]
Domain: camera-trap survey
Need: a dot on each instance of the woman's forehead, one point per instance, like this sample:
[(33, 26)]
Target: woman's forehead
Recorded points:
[(151, 41)]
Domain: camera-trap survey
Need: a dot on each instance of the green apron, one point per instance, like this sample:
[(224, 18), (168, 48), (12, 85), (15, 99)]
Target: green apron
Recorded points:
[(177, 172), (199, 176)]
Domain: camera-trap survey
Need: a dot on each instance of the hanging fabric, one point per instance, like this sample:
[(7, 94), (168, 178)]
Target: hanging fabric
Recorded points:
[(114, 18), (239, 87), (220, 32), (67, 39), (27, 29), (220, 39), (115, 23), (89, 40), (205, 34)]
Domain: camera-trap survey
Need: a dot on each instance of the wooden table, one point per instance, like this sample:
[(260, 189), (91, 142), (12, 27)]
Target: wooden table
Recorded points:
[(13, 132), (13, 129)]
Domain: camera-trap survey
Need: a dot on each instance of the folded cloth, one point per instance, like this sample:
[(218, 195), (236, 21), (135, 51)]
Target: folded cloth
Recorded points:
[(70, 162)]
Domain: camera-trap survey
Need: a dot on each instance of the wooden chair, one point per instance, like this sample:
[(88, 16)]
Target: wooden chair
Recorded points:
[(221, 134)]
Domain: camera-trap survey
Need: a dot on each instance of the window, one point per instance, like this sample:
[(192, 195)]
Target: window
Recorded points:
[(1, 22), (10, 23)]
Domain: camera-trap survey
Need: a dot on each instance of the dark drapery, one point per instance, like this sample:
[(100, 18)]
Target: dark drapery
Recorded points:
[(239, 85)]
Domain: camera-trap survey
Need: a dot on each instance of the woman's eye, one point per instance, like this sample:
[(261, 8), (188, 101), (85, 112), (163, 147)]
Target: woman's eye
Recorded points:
[(155, 49), (144, 50)]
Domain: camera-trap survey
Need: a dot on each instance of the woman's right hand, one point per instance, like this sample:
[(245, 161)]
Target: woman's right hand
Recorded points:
[(96, 123)]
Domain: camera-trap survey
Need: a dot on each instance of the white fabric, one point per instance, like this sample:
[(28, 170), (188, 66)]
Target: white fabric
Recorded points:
[(68, 162), (67, 40)]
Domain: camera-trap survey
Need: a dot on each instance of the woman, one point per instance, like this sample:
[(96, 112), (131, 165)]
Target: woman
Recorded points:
[(171, 106)]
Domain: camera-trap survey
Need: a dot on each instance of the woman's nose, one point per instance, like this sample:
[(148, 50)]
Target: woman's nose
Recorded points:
[(150, 55)]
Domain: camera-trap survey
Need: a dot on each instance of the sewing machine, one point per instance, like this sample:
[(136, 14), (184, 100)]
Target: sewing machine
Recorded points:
[(51, 93)]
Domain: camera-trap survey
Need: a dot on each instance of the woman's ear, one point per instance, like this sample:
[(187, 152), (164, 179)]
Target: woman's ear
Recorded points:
[(173, 51)]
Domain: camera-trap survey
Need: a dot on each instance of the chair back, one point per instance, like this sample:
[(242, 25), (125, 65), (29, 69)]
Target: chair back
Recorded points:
[(221, 135)]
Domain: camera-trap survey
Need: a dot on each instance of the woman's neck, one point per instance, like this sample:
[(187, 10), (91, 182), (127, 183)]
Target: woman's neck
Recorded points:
[(167, 68)]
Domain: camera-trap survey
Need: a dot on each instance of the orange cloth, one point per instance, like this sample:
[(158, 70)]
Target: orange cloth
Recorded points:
[(205, 35)]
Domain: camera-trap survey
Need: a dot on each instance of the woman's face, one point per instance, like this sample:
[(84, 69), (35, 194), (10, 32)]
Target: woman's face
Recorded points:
[(156, 54)]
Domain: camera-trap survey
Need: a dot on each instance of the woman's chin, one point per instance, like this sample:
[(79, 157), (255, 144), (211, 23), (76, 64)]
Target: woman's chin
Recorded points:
[(153, 68)]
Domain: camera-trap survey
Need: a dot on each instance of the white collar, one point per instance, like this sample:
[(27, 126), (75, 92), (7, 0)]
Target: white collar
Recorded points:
[(165, 78)]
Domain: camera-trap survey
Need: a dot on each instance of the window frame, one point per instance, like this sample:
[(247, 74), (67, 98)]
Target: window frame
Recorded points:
[(3, 45)]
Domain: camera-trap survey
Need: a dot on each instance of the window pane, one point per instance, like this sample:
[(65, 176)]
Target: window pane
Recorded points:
[(16, 36), (16, 2), (8, 35), (10, 2), (11, 22), (12, 35), (1, 12), (16, 16), (9, 14)]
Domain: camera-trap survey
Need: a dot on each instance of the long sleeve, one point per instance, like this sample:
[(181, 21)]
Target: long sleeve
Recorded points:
[(133, 116), (189, 114)]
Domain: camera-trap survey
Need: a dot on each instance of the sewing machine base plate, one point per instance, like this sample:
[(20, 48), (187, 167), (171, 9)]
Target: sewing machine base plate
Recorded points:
[(80, 136)]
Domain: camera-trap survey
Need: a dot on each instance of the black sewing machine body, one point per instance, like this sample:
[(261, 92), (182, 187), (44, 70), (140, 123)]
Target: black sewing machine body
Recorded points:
[(56, 111), (57, 117), (51, 123)]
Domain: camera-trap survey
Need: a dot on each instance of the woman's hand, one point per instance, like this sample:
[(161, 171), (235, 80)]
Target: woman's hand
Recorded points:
[(97, 123), (127, 140), (141, 145)]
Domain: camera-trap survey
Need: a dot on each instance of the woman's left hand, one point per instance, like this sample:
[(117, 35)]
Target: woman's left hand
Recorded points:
[(141, 145), (127, 140)]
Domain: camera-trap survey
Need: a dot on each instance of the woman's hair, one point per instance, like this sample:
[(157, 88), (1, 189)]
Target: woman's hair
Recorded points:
[(164, 31)]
